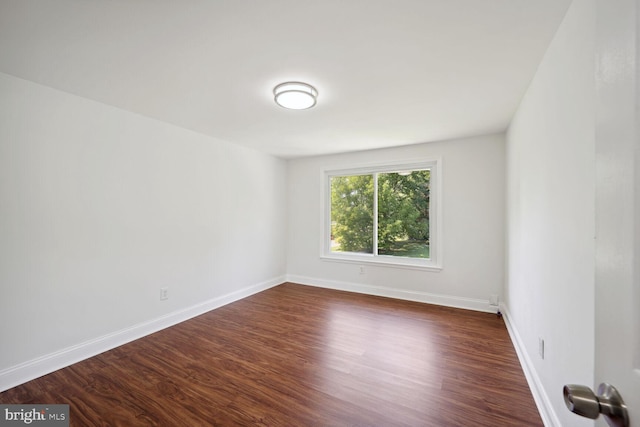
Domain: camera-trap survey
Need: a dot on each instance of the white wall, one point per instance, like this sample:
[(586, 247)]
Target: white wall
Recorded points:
[(100, 208), (550, 203), (473, 220)]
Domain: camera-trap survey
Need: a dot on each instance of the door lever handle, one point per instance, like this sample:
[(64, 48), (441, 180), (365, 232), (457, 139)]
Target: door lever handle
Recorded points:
[(583, 401)]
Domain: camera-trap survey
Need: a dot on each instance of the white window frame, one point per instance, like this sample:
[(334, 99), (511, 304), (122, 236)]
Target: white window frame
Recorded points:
[(433, 263)]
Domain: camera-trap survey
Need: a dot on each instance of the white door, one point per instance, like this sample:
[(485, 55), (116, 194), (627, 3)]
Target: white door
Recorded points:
[(617, 183)]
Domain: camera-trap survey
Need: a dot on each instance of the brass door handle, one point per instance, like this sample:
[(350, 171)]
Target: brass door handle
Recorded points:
[(583, 401)]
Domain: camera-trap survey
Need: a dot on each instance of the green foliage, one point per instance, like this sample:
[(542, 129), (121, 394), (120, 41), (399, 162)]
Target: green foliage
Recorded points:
[(403, 210), (409, 248), (352, 212)]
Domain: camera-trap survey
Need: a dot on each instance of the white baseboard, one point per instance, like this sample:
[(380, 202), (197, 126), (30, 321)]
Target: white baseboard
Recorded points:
[(547, 413), (36, 368), (438, 299)]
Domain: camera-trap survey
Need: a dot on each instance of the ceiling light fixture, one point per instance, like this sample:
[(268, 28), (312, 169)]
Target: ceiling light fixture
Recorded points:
[(295, 95)]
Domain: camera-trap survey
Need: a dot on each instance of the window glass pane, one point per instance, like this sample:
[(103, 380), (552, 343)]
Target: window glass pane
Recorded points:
[(403, 213), (352, 213)]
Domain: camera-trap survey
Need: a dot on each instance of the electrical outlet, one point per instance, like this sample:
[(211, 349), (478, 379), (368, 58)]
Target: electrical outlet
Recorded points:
[(493, 300), (541, 348), (362, 269), (164, 293)]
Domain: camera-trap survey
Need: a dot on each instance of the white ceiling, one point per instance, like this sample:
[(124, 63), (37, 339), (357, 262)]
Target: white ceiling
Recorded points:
[(388, 72)]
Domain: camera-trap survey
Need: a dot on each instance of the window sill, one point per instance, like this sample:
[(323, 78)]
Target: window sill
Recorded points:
[(382, 262)]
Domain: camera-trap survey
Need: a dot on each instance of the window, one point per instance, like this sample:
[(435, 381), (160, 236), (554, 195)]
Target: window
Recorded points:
[(384, 214)]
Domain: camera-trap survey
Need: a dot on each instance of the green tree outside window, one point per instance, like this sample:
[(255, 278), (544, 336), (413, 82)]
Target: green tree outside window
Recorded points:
[(402, 213)]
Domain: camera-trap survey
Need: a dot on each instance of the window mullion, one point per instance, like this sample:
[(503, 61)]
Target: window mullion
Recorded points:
[(375, 214)]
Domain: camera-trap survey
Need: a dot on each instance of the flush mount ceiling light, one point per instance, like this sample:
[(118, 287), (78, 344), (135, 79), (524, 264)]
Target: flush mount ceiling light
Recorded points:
[(295, 95)]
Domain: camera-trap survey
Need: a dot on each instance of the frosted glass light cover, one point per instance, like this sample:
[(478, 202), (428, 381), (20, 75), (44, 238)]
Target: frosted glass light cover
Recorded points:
[(295, 95)]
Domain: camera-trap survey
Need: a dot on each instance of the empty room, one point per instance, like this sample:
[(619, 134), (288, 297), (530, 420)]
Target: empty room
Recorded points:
[(305, 213)]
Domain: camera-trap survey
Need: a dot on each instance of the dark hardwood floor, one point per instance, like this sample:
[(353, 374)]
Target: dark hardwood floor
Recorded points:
[(302, 356)]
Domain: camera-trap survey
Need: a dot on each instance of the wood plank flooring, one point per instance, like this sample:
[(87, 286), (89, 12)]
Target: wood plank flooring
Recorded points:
[(301, 356)]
